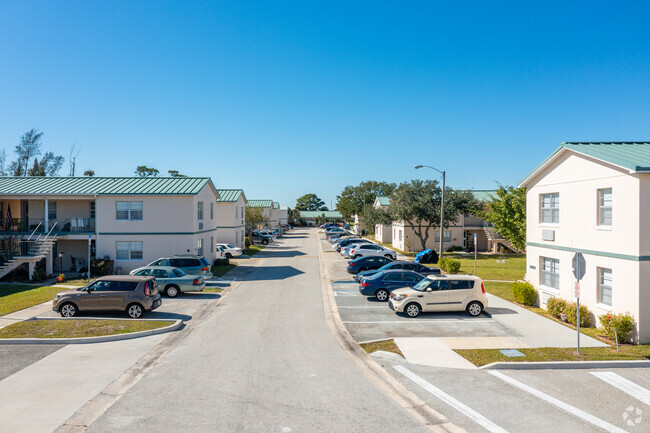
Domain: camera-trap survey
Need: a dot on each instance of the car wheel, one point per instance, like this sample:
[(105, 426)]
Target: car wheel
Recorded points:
[(68, 310), (356, 257), (412, 310), (228, 256), (381, 295), (172, 291), (265, 242), (134, 311), (474, 309)]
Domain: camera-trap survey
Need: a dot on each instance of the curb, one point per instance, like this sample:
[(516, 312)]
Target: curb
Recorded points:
[(393, 388), (86, 340), (565, 365)]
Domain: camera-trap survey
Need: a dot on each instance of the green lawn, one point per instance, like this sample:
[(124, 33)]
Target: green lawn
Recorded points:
[(627, 352), (14, 297), (386, 346), (74, 328), (488, 268), (75, 282), (219, 271), (253, 249)]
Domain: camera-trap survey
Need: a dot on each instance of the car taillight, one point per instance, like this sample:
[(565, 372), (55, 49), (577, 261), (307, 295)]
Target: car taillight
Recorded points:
[(351, 251), (483, 288), (352, 264), (205, 269), (364, 284), (196, 282), (147, 292)]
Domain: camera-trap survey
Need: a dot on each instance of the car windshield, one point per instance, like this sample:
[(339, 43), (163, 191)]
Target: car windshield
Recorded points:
[(386, 267), (229, 246), (374, 276), (178, 272), (422, 285)]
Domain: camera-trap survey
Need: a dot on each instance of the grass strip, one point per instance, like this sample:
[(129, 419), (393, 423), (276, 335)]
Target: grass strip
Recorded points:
[(15, 297), (219, 271), (386, 346), (75, 328), (253, 249), (481, 357), (74, 282)]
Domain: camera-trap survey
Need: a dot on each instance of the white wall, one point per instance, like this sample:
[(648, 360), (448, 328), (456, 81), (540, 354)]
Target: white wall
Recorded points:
[(231, 222)]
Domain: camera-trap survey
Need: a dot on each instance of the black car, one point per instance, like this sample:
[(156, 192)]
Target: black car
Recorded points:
[(367, 263), (400, 265)]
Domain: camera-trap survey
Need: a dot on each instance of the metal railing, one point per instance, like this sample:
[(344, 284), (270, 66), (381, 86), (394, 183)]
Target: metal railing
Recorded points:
[(33, 226)]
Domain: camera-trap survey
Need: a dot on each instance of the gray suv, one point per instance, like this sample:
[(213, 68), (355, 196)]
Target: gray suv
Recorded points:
[(190, 264), (133, 295)]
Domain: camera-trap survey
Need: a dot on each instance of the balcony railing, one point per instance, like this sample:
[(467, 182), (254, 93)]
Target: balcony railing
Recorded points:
[(70, 225), (472, 221)]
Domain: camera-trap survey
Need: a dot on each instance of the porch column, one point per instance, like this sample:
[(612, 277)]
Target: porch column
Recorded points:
[(49, 263), (32, 267), (47, 222)]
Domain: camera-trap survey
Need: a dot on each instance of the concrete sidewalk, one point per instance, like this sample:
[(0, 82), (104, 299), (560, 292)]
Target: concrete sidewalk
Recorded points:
[(26, 314)]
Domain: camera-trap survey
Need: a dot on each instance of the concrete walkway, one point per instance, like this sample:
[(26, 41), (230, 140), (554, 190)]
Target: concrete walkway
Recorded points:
[(26, 313)]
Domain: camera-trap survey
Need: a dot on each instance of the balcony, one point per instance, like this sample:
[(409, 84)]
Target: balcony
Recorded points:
[(472, 221), (64, 226)]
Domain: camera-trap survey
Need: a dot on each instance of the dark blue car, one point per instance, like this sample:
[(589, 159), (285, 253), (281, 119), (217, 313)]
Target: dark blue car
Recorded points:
[(382, 283), (398, 265)]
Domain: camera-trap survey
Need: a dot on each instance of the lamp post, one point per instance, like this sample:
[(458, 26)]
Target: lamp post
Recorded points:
[(442, 205), (60, 262)]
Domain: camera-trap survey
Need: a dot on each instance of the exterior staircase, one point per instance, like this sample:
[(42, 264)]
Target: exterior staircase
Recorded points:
[(496, 239), (28, 251)]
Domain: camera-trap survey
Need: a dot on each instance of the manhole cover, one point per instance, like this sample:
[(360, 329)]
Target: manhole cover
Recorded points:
[(511, 353)]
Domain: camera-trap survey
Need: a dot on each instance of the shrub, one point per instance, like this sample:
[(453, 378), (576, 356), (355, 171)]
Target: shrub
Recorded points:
[(454, 248), (524, 293), (247, 242), (442, 263), (556, 306), (221, 262), (585, 315), (101, 267), (624, 324), (39, 274), (453, 266)]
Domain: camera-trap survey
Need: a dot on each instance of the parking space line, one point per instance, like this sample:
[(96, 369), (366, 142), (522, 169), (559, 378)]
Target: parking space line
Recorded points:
[(451, 401), (558, 403), (425, 321), (628, 387), (373, 308)]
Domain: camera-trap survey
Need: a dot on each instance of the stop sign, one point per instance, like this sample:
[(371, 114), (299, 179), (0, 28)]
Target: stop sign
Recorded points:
[(579, 266)]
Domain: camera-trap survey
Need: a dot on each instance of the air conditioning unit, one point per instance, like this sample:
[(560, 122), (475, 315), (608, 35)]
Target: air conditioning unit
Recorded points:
[(200, 226)]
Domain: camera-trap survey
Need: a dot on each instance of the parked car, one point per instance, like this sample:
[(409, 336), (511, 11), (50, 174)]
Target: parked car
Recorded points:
[(441, 293), (363, 250), (335, 235), (382, 283), (229, 251), (400, 264), (131, 294), (345, 248), (259, 238), (326, 225), (188, 263), (366, 263), (266, 232), (172, 281)]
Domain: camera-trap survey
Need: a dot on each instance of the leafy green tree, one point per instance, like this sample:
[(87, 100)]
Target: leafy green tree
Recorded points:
[(294, 215), (49, 165), (418, 204), (89, 173), (144, 171), (29, 149), (376, 216), (355, 199), (175, 173), (310, 202), (255, 219), (507, 213)]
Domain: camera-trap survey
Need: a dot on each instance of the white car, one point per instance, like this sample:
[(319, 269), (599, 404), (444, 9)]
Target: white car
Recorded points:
[(365, 250), (441, 293), (230, 251)]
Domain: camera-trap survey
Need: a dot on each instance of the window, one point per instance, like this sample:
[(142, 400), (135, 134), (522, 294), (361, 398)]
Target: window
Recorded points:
[(605, 207), (199, 213), (605, 286), (446, 234), (460, 284), (439, 285), (393, 276), (199, 247), (128, 250), (92, 210), (550, 208), (211, 210), (128, 210), (413, 277), (400, 236), (550, 273), (161, 262), (211, 244), (144, 273), (178, 272), (51, 211), (160, 273)]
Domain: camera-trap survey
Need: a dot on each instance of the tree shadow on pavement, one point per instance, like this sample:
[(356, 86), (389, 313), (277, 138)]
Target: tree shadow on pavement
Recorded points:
[(493, 310), (268, 273), (276, 253)]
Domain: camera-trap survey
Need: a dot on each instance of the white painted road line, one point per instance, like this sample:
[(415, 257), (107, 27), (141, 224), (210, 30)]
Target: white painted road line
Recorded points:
[(407, 321), (451, 401), (373, 308), (560, 404), (630, 388)]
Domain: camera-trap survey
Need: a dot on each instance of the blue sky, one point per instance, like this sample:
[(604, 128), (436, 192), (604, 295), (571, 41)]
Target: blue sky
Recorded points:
[(287, 98)]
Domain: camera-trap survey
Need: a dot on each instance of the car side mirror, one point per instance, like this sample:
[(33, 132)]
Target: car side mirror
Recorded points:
[(429, 289)]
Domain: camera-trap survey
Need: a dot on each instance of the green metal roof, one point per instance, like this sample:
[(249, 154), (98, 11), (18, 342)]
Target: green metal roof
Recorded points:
[(229, 195), (259, 203), (483, 195), (383, 200), (631, 155), (317, 213), (39, 185), (276, 205)]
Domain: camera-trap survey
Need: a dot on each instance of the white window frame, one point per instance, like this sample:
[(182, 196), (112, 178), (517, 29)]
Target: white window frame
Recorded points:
[(554, 273), (553, 208), (131, 209), (211, 210), (131, 248), (602, 207), (199, 247), (446, 236), (199, 211), (602, 286)]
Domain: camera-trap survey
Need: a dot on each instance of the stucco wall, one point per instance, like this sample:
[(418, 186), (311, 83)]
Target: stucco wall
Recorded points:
[(411, 242)]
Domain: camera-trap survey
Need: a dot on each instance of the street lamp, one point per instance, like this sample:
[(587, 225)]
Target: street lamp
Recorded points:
[(442, 204), (60, 262)]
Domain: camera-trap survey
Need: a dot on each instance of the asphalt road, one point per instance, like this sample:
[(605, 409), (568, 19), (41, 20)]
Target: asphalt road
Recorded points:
[(14, 358), (264, 361)]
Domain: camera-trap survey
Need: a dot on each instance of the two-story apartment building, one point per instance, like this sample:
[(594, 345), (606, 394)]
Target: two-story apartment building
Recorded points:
[(268, 210), (383, 232), (283, 215), (131, 220), (592, 198), (231, 217)]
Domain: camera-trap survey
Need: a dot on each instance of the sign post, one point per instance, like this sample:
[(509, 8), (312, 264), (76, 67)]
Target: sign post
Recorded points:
[(579, 267), (475, 253), (89, 240)]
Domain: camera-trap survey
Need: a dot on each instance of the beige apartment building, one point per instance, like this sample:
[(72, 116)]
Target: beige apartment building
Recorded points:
[(231, 217), (131, 220), (592, 198)]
